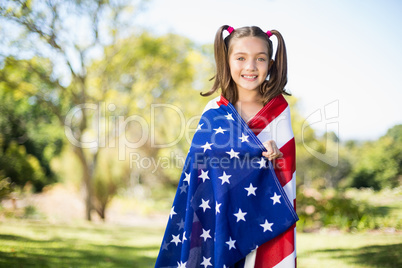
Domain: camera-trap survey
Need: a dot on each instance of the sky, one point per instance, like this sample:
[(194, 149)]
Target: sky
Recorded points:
[(344, 56)]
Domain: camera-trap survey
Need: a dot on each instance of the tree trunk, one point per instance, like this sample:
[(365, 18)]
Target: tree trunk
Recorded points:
[(87, 179)]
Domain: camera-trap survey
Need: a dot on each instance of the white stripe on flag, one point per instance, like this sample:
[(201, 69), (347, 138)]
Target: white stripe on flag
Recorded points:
[(279, 129), (212, 104), (250, 259), (290, 188), (287, 262)]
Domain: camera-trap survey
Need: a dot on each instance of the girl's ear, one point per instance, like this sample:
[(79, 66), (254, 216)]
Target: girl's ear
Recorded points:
[(271, 62)]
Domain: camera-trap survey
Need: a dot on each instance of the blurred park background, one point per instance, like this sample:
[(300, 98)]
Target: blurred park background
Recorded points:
[(99, 101)]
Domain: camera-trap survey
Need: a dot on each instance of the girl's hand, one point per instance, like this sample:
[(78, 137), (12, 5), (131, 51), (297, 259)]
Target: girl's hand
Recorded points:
[(272, 150)]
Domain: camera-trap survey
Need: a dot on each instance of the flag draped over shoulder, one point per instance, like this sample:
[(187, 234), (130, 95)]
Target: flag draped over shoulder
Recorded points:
[(229, 200)]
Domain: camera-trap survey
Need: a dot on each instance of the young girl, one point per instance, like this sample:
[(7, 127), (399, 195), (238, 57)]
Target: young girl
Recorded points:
[(252, 85), (243, 64)]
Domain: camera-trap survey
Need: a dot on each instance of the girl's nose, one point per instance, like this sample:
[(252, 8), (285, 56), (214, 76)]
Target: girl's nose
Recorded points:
[(251, 65)]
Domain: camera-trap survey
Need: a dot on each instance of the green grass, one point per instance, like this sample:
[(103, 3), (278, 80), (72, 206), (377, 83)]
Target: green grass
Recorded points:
[(349, 250), (40, 244)]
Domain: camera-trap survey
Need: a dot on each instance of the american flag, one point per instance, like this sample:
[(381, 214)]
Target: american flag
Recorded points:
[(229, 200), (273, 122)]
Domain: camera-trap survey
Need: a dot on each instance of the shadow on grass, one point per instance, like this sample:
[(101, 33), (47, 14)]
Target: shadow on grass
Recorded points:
[(369, 256)]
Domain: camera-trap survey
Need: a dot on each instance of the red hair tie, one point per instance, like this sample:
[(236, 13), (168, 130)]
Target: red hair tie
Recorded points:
[(269, 34), (230, 29)]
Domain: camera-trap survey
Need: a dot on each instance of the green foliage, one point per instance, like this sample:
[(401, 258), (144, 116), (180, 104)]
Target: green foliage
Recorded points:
[(335, 209), (5, 187), (378, 164), (29, 135), (313, 171), (31, 212), (21, 167)]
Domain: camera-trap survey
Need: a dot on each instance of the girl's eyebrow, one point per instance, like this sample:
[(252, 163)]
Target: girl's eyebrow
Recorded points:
[(244, 53)]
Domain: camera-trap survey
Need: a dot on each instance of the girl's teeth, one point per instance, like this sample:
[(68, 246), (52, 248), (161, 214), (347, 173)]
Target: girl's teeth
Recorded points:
[(247, 76)]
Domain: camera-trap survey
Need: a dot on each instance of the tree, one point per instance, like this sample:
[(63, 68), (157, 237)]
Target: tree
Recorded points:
[(149, 99), (55, 29), (104, 101)]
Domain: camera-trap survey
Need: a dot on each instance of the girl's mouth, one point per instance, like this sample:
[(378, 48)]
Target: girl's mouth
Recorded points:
[(249, 76)]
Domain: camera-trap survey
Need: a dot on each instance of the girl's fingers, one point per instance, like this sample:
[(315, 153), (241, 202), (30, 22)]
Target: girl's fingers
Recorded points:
[(272, 150), (272, 156)]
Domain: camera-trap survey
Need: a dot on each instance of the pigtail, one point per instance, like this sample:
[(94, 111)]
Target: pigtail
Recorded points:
[(222, 77), (278, 74)]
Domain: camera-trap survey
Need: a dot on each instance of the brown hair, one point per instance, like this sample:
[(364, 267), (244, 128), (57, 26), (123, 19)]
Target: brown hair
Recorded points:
[(269, 89)]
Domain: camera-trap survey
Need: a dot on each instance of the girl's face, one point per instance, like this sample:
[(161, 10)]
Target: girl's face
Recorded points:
[(248, 62)]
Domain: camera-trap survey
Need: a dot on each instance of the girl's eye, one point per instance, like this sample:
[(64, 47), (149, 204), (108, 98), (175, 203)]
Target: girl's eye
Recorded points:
[(261, 59), (241, 58)]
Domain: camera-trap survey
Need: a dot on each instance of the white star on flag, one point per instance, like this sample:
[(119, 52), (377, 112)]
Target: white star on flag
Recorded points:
[(267, 226), (187, 178), (204, 175), (276, 198), (176, 239), (165, 245), (199, 127), (233, 154), (240, 215), (204, 204), (229, 117), (206, 262), (217, 207), (207, 146), (183, 188), (180, 224), (219, 130), (205, 234), (172, 212), (184, 237), (244, 138), (262, 162), (231, 243), (181, 265), (251, 190), (225, 178)]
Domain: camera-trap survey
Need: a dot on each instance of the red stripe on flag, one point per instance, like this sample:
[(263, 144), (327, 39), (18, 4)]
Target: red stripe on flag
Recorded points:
[(285, 167), (267, 114), (222, 101), (275, 250)]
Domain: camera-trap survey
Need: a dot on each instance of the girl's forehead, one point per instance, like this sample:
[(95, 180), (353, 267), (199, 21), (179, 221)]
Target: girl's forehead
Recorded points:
[(249, 43)]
